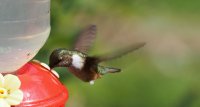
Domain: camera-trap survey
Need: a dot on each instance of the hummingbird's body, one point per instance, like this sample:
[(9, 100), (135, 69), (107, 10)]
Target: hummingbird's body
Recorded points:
[(86, 67)]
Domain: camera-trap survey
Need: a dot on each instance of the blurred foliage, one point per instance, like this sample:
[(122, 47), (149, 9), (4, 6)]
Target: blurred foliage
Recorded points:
[(143, 83)]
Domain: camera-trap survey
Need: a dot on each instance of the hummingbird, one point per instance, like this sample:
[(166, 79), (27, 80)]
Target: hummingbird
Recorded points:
[(85, 67)]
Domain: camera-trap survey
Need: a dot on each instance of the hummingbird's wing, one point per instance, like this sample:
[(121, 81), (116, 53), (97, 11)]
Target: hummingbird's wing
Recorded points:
[(85, 39), (119, 53)]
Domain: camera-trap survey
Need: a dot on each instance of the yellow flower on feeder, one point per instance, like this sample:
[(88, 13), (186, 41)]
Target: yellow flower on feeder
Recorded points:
[(10, 94)]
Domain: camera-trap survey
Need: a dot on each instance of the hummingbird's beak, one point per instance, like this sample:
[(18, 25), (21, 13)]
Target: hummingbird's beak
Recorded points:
[(51, 65)]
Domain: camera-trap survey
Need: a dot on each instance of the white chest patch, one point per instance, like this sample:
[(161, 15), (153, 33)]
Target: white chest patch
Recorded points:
[(77, 61)]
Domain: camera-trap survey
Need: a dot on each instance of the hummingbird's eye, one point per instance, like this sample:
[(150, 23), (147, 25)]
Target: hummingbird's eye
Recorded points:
[(60, 58)]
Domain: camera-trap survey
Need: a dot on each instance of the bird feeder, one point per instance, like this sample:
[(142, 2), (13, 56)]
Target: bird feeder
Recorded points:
[(40, 87), (24, 28)]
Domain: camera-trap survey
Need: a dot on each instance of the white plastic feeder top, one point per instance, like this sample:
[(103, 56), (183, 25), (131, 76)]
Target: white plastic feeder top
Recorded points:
[(24, 28)]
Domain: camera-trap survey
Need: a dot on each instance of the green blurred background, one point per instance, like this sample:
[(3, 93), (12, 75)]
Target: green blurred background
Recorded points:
[(165, 73)]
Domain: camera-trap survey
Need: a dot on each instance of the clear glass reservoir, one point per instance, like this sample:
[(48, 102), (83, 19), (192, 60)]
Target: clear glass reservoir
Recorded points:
[(24, 28)]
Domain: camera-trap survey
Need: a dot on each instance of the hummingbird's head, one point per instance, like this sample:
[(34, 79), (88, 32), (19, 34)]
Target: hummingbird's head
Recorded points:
[(60, 58)]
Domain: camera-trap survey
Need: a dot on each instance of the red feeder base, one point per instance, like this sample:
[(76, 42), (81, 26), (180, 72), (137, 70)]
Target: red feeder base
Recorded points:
[(41, 88)]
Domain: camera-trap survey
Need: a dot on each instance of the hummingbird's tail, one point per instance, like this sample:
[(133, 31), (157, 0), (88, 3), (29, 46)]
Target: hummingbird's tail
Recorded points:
[(104, 70)]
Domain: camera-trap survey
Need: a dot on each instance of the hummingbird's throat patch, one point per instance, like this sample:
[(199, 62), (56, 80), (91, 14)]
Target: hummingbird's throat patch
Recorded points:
[(77, 61)]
